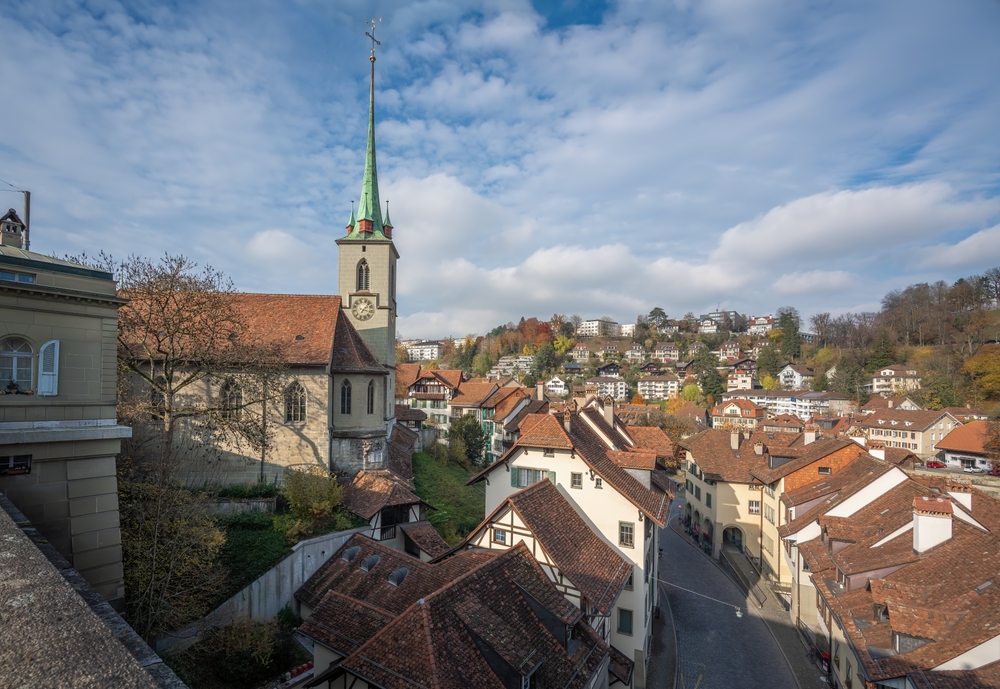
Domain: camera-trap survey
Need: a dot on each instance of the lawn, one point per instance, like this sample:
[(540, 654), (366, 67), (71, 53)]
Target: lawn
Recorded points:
[(253, 546), (460, 508)]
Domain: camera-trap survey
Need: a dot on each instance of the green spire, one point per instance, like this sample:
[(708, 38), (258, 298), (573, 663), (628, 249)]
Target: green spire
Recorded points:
[(387, 222), (369, 206), (352, 222)]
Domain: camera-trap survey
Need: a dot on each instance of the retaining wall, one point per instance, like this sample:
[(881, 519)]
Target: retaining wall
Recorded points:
[(267, 595)]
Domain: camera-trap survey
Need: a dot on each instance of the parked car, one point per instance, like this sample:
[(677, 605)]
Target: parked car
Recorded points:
[(974, 470), (934, 464), (994, 472)]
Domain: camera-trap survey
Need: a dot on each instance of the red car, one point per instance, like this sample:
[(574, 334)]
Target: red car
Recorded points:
[(934, 464)]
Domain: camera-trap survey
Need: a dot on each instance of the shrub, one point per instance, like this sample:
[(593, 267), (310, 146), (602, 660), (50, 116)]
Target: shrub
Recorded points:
[(314, 500)]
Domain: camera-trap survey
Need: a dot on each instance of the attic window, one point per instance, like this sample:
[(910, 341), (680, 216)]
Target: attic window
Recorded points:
[(396, 578), (369, 562), (300, 337), (350, 553), (824, 470), (16, 277), (983, 586)]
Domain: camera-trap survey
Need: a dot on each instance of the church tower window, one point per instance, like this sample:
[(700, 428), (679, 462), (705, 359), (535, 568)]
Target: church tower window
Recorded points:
[(371, 396), (364, 276), (345, 397), (295, 403)]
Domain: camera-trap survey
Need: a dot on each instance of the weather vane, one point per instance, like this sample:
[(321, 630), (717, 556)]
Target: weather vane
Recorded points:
[(371, 35)]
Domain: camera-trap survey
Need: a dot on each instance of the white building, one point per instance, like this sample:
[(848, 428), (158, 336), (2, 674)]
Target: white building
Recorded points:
[(796, 377), (556, 386), (599, 328), (424, 351), (760, 325), (509, 365), (659, 387), (804, 405), (894, 380), (627, 329), (595, 464), (608, 387)]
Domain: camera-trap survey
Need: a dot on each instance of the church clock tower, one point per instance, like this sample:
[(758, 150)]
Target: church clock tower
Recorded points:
[(367, 271)]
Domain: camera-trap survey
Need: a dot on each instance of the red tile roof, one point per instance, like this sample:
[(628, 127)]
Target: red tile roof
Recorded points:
[(426, 538), (350, 353), (473, 394), (969, 438), (905, 419), (368, 492)]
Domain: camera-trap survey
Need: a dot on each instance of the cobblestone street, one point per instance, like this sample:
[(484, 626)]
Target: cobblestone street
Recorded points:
[(716, 649)]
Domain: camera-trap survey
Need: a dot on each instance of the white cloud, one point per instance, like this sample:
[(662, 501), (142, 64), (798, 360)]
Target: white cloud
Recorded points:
[(978, 250), (813, 281)]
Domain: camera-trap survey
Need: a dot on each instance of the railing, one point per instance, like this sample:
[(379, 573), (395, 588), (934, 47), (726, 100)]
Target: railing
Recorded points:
[(387, 533)]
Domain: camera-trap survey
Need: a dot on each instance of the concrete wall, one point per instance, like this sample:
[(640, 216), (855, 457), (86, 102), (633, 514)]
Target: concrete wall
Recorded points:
[(267, 595)]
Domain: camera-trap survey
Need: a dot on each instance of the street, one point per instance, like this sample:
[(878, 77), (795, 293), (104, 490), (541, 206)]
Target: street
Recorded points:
[(716, 648)]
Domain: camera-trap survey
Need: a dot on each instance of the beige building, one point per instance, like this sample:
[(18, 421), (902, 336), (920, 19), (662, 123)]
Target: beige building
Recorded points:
[(58, 429), (918, 431)]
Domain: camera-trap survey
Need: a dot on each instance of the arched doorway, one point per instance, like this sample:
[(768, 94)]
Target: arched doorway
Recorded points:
[(733, 535), (706, 531)]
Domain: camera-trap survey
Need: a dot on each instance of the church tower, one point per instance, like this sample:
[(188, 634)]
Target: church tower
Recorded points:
[(367, 271)]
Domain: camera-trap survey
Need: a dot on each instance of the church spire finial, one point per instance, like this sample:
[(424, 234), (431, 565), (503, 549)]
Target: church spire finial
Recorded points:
[(369, 210)]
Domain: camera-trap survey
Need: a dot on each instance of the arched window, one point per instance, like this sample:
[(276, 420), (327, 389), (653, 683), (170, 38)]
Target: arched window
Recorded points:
[(345, 397), (371, 396), (295, 403), (231, 400), (364, 276), (16, 364)]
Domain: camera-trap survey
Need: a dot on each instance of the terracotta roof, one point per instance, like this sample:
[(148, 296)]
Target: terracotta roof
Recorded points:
[(652, 438), (712, 452), (966, 414), (744, 405), (545, 431), (472, 394), (350, 353), (897, 456), (917, 420), (534, 407), (370, 491), (633, 460), (803, 457), (878, 402), (400, 449), (969, 438), (426, 537), (372, 588), (344, 624), (502, 395), (583, 557), (784, 421), (449, 638), (406, 375)]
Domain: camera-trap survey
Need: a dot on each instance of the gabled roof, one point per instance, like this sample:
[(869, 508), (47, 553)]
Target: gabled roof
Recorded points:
[(969, 438), (426, 537), (303, 326), (371, 491), (405, 413), (803, 457), (486, 622), (591, 565), (534, 407), (350, 353), (406, 375), (653, 439), (472, 394)]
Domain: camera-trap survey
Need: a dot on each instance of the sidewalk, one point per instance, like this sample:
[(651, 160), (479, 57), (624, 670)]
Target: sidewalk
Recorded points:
[(778, 622)]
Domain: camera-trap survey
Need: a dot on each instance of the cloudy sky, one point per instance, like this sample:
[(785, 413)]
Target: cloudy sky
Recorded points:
[(573, 156)]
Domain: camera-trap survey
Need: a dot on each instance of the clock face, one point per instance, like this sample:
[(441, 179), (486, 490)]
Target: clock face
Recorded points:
[(363, 309)]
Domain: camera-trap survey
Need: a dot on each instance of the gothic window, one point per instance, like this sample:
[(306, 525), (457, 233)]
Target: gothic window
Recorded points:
[(295, 403), (231, 400), (371, 397), (345, 397), (364, 276), (16, 364)]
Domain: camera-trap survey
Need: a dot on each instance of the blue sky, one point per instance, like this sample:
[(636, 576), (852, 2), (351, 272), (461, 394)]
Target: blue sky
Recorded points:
[(570, 156)]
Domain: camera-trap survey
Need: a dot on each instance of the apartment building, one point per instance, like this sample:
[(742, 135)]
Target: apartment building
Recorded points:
[(760, 325), (737, 414), (919, 431), (796, 377), (804, 405), (598, 328), (424, 351), (894, 380), (603, 386), (659, 387)]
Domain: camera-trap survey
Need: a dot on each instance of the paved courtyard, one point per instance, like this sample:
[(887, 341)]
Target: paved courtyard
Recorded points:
[(715, 648)]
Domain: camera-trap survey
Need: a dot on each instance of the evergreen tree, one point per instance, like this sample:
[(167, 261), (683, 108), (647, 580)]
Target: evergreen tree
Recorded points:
[(883, 352), (768, 361), (472, 435), (850, 380), (821, 383), (791, 342), (544, 361)]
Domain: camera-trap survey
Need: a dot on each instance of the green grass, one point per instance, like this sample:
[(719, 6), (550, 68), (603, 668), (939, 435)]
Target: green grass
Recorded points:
[(253, 546), (460, 508)]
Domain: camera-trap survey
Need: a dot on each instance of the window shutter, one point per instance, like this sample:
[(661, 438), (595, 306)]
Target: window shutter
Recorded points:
[(48, 369), (552, 477), (513, 477)]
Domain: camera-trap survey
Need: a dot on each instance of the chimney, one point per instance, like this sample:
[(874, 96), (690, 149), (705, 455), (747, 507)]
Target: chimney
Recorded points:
[(540, 391), (931, 523), (811, 434), (567, 421), (758, 448), (961, 492), (734, 439), (609, 411)]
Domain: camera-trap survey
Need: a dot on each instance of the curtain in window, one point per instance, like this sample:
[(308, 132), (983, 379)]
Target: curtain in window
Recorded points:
[(16, 364)]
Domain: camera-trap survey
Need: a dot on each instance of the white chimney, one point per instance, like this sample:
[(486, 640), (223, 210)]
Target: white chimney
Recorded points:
[(877, 452), (811, 435), (540, 391), (931, 522), (609, 411), (734, 440), (758, 448), (961, 492)]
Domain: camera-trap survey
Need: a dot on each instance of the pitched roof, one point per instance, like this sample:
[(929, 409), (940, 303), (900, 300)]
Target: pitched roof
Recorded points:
[(803, 457), (372, 588), (479, 626), (534, 407), (426, 537), (472, 394), (713, 453), (370, 491), (653, 439), (406, 375), (583, 557), (969, 438), (405, 413), (350, 353)]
